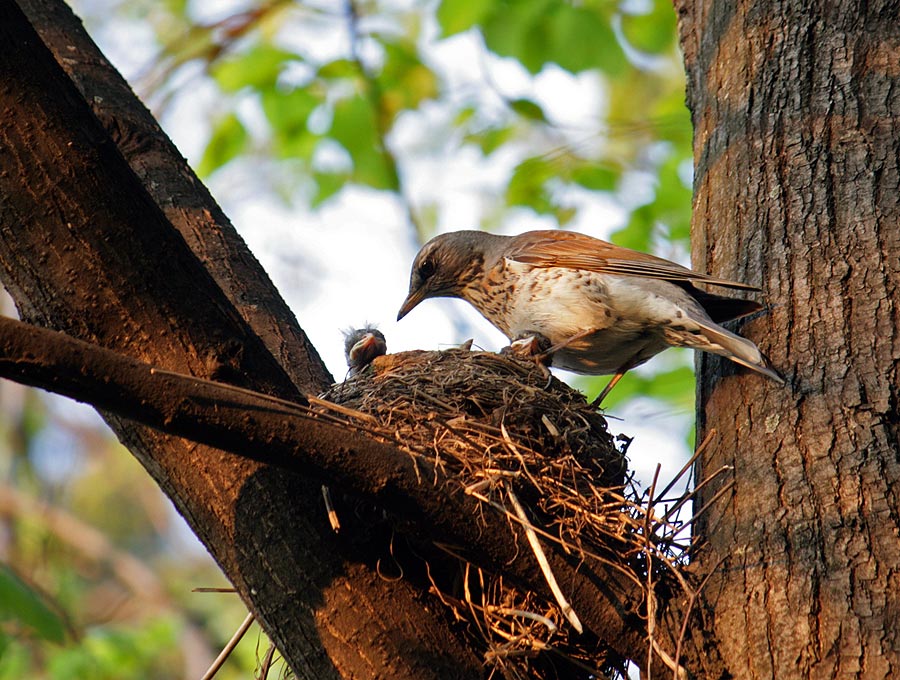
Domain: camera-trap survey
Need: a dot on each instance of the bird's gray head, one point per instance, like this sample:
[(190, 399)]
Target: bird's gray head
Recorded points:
[(445, 265)]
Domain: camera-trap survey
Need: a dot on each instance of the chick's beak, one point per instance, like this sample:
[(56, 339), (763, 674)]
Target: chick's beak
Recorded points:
[(414, 298), (367, 341)]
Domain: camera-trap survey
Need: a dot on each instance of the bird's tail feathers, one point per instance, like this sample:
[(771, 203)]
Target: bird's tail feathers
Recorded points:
[(740, 350)]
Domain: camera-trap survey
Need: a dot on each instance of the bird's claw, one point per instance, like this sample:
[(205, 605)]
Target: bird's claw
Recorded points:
[(535, 347)]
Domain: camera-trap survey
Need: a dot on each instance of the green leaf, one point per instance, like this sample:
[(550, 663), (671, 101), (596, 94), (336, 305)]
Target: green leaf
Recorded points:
[(638, 233), (583, 39), (491, 139), (353, 123), (456, 16), (287, 113), (404, 80), (257, 68), (464, 115), (177, 7), (15, 660), (653, 32), (120, 653), (564, 214), (229, 138), (22, 605), (527, 186), (328, 184), (595, 178), (538, 32), (353, 127), (518, 29), (672, 120), (528, 109), (339, 69)]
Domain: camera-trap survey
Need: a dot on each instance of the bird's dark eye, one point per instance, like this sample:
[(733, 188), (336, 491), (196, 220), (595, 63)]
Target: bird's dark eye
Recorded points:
[(426, 269)]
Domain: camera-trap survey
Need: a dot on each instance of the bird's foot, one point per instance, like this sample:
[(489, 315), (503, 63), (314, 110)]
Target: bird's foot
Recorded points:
[(535, 347)]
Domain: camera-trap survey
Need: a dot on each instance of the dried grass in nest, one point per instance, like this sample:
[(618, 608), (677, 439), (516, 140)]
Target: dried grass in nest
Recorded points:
[(508, 433)]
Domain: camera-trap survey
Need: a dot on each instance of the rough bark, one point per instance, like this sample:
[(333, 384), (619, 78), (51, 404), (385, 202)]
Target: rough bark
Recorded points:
[(173, 186), (86, 249), (796, 110)]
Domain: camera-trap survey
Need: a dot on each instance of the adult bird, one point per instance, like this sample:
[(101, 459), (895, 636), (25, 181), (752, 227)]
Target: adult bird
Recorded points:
[(602, 308)]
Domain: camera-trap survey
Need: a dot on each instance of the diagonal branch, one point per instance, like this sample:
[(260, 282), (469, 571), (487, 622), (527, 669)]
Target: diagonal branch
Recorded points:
[(292, 437), (87, 245)]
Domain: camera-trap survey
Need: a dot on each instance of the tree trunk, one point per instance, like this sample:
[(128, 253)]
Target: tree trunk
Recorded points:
[(796, 112), (85, 249)]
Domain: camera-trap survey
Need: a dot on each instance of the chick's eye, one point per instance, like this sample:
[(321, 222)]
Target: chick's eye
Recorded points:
[(426, 269)]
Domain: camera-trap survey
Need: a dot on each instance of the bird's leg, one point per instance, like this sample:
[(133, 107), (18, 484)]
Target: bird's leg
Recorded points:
[(550, 351), (606, 390), (623, 369)]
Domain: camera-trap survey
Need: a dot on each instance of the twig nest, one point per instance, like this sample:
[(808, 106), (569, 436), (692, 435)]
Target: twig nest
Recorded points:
[(527, 445), (484, 412)]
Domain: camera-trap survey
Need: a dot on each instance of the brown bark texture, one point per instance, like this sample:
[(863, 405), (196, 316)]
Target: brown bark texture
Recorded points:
[(796, 111), (85, 249)]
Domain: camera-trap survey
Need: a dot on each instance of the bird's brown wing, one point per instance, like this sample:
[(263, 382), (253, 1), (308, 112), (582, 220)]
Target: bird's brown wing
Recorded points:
[(576, 251)]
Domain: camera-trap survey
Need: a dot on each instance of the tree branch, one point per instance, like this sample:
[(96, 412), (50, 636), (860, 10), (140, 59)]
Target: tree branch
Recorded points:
[(293, 437), (84, 248)]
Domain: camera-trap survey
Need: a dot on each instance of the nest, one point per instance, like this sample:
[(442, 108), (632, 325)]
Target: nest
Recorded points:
[(522, 442), (480, 412)]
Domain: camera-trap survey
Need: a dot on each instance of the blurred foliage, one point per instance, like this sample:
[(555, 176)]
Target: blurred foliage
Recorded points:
[(96, 574), (327, 117), (23, 610)]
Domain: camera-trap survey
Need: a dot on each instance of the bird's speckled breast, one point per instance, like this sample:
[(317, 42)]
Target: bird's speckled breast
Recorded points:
[(604, 331)]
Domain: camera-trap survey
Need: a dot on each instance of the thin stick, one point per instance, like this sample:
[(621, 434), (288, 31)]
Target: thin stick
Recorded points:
[(506, 611), (687, 614), (544, 564), (343, 410), (686, 466), (651, 597), (721, 492), (290, 405), (518, 454), (693, 493), (680, 672), (266, 662), (329, 507), (229, 648), (627, 573)]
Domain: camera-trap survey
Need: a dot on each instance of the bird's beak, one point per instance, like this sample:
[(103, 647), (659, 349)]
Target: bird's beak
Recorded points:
[(363, 344), (414, 298)]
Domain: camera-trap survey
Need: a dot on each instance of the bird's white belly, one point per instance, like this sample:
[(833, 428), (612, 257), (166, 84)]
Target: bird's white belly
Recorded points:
[(606, 321)]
